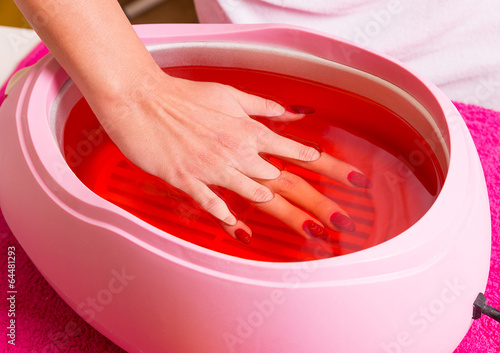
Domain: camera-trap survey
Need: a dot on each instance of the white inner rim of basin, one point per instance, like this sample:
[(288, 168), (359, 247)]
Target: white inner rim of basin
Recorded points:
[(281, 61)]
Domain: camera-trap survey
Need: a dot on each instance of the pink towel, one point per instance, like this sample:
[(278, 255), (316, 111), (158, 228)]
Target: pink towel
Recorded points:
[(44, 323), (38, 52)]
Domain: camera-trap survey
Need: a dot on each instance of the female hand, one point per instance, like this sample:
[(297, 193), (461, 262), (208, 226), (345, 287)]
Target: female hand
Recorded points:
[(191, 134), (195, 135), (300, 206)]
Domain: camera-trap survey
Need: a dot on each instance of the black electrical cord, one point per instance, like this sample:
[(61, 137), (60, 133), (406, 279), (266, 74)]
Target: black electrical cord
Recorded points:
[(480, 307)]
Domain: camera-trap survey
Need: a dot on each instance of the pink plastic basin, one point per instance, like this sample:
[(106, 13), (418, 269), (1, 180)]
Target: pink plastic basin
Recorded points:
[(150, 291)]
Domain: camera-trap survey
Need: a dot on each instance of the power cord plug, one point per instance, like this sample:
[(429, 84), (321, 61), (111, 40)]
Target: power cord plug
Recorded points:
[(480, 307)]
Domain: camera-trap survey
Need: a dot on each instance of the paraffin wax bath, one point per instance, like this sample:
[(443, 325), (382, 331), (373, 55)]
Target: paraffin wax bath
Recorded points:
[(404, 170)]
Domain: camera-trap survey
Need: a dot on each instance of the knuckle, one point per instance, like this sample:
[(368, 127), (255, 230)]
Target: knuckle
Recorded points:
[(228, 142), (221, 175), (247, 155), (206, 158), (178, 178), (264, 136), (211, 204), (248, 126), (256, 130)]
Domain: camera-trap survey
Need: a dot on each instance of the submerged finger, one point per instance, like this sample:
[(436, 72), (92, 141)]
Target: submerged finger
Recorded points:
[(239, 231), (337, 170), (301, 193), (286, 148), (246, 187), (298, 220), (208, 200)]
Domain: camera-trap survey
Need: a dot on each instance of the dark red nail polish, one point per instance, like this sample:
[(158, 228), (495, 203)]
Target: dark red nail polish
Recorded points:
[(358, 179), (242, 235), (314, 229), (300, 109), (342, 222)]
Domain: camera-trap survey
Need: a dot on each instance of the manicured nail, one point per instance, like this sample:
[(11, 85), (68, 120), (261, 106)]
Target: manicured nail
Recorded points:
[(314, 229), (242, 235), (358, 179), (300, 109), (342, 222)]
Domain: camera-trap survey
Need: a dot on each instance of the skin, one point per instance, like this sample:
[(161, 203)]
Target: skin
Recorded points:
[(176, 129)]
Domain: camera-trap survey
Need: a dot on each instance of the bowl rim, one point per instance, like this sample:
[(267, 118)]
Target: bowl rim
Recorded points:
[(71, 194)]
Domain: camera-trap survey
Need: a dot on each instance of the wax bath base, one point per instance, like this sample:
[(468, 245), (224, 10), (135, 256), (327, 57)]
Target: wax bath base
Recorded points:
[(405, 172)]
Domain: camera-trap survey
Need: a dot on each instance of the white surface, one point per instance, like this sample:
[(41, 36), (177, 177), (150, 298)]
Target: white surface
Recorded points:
[(15, 44), (454, 43)]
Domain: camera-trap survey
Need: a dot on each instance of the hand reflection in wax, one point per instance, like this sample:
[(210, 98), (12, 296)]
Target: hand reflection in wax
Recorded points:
[(196, 135)]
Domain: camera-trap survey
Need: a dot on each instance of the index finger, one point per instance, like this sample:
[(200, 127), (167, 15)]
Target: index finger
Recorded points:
[(335, 169)]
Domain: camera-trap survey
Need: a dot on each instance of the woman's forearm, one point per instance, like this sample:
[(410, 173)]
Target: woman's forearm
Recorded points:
[(193, 135), (94, 42)]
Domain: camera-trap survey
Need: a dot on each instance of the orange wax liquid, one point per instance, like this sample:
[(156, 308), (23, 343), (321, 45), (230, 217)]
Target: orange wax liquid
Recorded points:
[(405, 172)]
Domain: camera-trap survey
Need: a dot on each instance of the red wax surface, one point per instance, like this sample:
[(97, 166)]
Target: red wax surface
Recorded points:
[(404, 171)]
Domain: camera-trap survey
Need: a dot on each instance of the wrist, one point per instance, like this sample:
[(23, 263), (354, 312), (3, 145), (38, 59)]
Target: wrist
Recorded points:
[(125, 93)]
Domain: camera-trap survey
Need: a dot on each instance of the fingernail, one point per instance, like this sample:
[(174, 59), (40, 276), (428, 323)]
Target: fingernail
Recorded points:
[(242, 235), (300, 109), (314, 229), (342, 222), (358, 179)]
